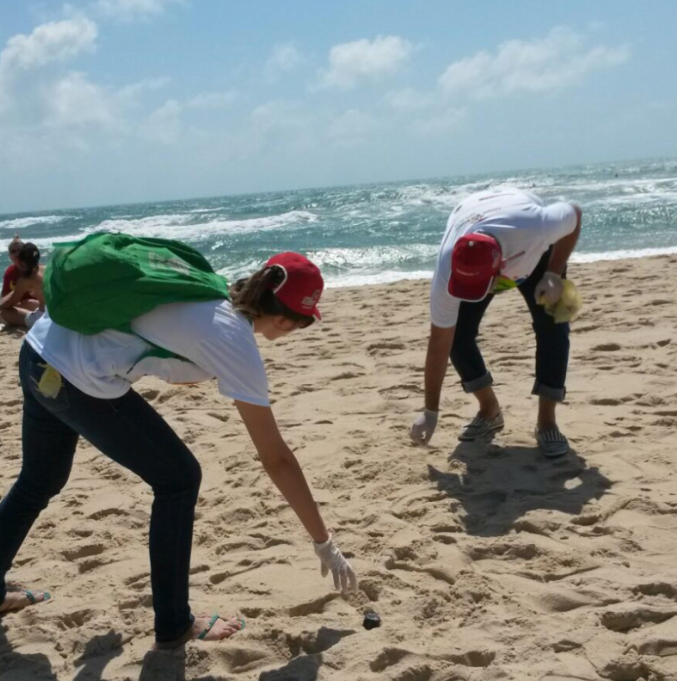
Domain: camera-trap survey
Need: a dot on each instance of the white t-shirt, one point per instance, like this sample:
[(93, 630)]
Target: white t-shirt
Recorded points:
[(523, 226), (218, 342)]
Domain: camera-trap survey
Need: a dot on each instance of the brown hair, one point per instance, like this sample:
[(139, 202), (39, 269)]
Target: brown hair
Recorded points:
[(29, 257), (15, 243), (254, 296)]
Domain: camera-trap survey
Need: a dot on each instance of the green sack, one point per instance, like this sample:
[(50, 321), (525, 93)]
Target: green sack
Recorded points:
[(106, 280)]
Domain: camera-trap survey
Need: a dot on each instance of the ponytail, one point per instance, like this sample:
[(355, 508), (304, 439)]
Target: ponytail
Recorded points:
[(254, 296)]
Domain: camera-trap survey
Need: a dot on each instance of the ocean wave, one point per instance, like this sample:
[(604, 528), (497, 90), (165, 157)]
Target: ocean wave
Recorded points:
[(182, 226), (239, 270), (620, 189), (440, 197), (30, 221), (443, 197), (149, 226), (384, 277), (623, 254), (374, 257), (45, 244)]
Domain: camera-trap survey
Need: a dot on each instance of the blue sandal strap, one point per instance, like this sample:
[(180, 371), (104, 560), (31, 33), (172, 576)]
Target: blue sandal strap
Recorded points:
[(208, 628)]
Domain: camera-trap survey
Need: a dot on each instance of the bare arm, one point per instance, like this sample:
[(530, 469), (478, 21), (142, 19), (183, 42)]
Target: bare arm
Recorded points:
[(563, 249), (282, 467), (13, 298), (436, 362)]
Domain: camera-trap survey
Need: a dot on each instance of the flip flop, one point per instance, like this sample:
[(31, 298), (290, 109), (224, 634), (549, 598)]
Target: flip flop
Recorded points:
[(215, 618), (32, 599), (187, 636)]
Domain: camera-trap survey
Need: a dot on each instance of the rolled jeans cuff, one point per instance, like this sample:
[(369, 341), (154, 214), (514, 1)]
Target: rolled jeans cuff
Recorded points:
[(478, 383), (550, 393)]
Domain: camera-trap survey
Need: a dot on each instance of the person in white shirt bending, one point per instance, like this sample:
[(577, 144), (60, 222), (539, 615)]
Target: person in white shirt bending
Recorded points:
[(76, 385), (496, 240)]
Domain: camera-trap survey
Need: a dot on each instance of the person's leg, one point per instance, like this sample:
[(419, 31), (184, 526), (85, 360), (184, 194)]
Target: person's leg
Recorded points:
[(14, 316), (552, 353), (467, 358), (48, 448), (132, 433), (30, 304)]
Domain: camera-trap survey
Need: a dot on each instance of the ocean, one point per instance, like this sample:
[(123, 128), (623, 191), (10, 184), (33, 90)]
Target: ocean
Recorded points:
[(378, 233)]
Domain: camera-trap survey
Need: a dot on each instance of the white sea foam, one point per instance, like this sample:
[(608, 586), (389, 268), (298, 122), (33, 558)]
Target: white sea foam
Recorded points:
[(181, 226), (442, 199), (385, 277), (623, 254), (45, 244), (23, 223), (620, 190), (446, 198), (241, 269), (150, 226), (360, 278), (373, 257)]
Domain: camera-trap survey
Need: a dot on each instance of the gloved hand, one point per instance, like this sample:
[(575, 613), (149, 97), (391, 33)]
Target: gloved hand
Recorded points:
[(549, 289), (424, 427), (332, 559)]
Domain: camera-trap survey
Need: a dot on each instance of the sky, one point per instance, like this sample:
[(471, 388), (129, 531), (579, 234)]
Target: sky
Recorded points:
[(120, 101)]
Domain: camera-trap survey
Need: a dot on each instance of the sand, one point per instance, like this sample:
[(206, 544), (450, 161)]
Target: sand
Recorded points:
[(485, 561)]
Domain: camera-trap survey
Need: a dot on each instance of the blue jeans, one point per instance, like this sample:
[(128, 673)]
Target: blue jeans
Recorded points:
[(552, 343), (132, 433)]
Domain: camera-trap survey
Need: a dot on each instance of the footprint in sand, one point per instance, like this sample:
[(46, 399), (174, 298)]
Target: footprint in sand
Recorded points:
[(625, 620)]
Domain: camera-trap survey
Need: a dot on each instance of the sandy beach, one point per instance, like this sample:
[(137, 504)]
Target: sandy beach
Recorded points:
[(485, 561)]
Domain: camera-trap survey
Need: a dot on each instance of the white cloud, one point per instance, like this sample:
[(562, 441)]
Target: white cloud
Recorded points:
[(76, 102), (212, 100), (443, 123), (408, 100), (285, 57), (351, 125), (147, 84), (276, 114), (557, 61), (364, 59), (164, 124), (56, 41), (127, 10)]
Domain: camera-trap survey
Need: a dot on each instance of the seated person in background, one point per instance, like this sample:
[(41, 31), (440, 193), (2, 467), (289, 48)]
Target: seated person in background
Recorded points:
[(24, 304)]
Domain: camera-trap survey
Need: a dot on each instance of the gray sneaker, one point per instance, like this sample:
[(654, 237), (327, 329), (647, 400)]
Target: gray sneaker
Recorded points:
[(481, 427), (552, 442)]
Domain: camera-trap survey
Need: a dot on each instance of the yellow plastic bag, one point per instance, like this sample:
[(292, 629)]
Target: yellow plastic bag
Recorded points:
[(568, 307)]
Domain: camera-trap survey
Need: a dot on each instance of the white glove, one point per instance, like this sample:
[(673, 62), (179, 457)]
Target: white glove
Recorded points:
[(424, 427), (549, 289), (332, 559)]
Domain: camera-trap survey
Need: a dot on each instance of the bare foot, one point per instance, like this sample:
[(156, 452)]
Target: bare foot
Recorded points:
[(20, 599), (206, 628)]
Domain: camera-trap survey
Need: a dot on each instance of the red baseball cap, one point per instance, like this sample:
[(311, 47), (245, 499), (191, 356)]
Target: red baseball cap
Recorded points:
[(302, 285), (475, 262)]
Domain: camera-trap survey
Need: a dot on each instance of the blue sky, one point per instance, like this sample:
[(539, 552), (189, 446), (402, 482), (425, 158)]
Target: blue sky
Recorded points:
[(113, 101)]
